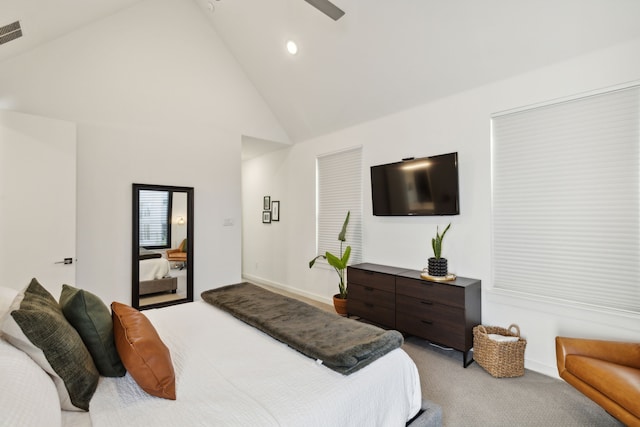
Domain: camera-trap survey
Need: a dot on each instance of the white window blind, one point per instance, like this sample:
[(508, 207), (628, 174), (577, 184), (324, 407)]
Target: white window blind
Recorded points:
[(565, 200), (154, 218), (339, 181)]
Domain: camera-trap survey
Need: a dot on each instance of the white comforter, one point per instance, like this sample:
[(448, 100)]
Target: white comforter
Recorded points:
[(230, 374), (154, 268)]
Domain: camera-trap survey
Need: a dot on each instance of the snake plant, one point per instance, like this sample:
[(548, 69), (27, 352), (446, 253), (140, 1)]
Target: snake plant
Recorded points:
[(436, 242)]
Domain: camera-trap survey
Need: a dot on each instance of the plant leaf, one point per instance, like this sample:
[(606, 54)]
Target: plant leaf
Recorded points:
[(313, 261), (342, 236), (345, 256), (444, 232), (334, 261)]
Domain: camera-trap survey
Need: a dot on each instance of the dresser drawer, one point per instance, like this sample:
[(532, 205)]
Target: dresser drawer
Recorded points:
[(371, 311), (431, 291), (427, 310), (440, 324), (372, 279), (434, 330), (371, 295)]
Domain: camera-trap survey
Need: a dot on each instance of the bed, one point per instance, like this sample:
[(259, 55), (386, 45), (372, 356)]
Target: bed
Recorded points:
[(154, 274), (229, 373)]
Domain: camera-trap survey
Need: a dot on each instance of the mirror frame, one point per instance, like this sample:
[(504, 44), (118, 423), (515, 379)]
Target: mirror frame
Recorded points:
[(135, 246)]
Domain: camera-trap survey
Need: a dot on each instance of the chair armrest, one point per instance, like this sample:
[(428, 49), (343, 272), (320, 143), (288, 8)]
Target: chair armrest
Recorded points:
[(621, 353), (172, 251)]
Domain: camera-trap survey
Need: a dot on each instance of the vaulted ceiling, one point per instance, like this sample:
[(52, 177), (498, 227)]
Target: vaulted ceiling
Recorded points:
[(379, 58)]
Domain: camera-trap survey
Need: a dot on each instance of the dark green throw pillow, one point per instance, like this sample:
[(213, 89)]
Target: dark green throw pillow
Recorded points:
[(92, 319), (40, 329)]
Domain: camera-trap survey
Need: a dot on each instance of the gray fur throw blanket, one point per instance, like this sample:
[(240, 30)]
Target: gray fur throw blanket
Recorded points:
[(344, 345)]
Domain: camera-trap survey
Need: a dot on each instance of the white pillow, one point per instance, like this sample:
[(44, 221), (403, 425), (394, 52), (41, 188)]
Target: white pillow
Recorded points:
[(10, 300), (28, 396)]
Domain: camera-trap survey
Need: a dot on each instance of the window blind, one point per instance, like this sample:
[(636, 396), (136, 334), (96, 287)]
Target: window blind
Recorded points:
[(565, 197), (155, 207), (339, 190)]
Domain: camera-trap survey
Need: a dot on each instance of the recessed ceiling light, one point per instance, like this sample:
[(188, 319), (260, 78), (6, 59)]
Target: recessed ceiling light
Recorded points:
[(292, 47)]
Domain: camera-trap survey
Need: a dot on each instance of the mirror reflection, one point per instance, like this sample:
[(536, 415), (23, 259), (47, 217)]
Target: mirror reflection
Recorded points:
[(162, 245)]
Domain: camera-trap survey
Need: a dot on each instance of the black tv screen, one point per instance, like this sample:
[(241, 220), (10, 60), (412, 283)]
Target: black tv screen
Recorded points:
[(425, 186)]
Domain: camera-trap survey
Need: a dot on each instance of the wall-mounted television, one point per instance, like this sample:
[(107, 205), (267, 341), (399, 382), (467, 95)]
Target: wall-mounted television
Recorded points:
[(425, 186)]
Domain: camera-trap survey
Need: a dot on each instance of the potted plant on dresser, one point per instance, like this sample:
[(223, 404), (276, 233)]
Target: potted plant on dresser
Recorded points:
[(437, 266), (339, 264)]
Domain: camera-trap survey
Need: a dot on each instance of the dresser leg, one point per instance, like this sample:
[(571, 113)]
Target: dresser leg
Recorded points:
[(467, 358)]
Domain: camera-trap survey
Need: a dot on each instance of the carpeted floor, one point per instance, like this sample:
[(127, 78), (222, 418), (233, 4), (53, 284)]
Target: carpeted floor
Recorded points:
[(471, 397)]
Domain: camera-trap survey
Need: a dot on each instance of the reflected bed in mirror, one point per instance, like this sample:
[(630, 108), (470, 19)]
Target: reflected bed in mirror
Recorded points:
[(162, 246)]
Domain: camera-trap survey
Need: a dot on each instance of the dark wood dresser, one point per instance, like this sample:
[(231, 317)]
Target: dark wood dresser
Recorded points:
[(441, 312)]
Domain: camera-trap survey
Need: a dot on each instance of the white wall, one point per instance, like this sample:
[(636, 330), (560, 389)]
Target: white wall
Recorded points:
[(278, 253), (157, 99), (110, 159)]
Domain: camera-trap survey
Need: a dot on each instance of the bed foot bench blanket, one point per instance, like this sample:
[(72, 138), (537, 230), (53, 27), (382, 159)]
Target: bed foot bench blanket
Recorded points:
[(344, 345)]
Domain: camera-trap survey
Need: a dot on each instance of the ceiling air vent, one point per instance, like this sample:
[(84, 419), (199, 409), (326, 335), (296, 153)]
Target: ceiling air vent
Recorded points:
[(10, 32)]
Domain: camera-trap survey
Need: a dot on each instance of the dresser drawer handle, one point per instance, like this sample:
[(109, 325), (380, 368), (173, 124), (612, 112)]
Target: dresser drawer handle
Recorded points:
[(368, 288), (427, 322), (368, 305), (426, 302)]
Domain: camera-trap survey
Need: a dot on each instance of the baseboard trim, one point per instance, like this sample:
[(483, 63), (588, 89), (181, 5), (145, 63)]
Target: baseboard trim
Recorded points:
[(550, 371), (261, 281)]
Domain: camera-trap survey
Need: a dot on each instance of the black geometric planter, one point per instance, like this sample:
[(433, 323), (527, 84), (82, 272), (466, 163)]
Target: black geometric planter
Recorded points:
[(437, 267)]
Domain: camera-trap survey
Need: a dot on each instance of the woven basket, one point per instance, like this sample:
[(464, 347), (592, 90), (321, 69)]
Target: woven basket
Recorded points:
[(500, 359)]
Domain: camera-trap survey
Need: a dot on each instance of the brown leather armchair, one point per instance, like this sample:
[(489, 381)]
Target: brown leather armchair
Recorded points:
[(179, 254), (607, 372)]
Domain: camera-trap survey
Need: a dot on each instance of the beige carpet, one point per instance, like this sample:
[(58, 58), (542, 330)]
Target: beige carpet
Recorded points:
[(471, 397)]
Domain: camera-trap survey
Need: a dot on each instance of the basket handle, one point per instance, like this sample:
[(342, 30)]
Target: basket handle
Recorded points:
[(482, 329), (513, 325)]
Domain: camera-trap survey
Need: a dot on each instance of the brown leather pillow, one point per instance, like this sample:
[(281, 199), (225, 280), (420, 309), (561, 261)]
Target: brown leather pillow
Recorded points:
[(142, 351)]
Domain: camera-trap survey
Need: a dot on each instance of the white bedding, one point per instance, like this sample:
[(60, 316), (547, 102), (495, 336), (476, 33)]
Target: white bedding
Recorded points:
[(23, 382), (230, 374), (154, 268)]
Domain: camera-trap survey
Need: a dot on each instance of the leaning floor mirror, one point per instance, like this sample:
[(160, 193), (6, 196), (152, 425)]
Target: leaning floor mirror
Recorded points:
[(162, 246)]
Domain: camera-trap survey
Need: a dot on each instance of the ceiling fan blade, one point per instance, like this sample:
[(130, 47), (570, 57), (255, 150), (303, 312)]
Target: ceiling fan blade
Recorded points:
[(328, 8)]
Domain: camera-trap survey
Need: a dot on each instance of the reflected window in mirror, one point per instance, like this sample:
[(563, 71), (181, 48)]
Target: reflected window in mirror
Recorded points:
[(162, 245), (155, 218)]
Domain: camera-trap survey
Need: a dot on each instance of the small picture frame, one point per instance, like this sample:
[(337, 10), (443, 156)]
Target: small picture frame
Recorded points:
[(266, 217), (266, 203), (275, 210)]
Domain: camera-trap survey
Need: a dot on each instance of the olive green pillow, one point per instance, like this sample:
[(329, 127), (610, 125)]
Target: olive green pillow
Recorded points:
[(40, 329), (92, 319)]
